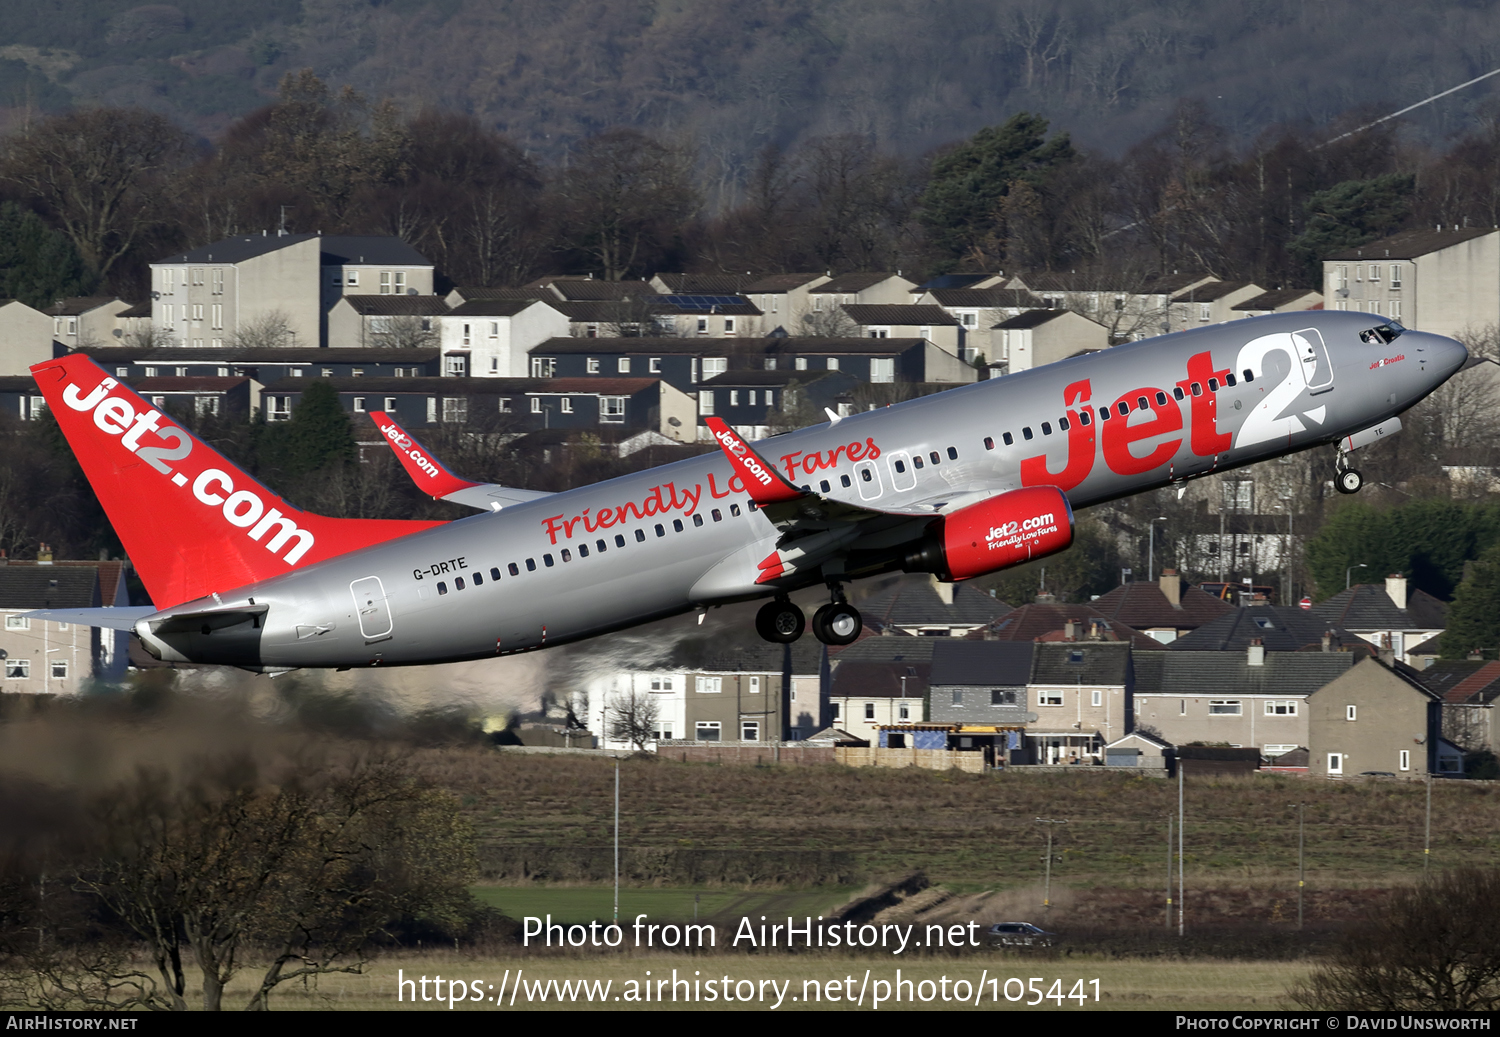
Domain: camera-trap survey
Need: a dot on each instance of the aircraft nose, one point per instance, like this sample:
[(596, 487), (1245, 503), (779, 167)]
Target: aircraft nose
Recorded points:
[(1442, 355)]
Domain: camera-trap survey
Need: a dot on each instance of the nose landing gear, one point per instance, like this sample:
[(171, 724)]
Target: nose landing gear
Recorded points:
[(1346, 479)]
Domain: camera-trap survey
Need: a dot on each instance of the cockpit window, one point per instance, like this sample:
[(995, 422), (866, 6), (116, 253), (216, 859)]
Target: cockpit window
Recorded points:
[(1382, 334)]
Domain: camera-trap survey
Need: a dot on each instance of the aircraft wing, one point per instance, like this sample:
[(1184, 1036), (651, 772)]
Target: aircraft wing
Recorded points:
[(811, 527), (434, 479)]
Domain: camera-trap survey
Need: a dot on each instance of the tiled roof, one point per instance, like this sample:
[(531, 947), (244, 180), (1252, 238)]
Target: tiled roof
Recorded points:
[(1144, 604), (491, 307), (850, 284), (1276, 298), (643, 346), (704, 284), (771, 284), (913, 601), (475, 294), (1411, 244), (1030, 622), (140, 309), (1279, 628), (899, 314), (989, 298), (397, 305), (1082, 662), (982, 662), (892, 648), (1213, 290), (881, 679), (1224, 674), (48, 586), (793, 345), (1463, 680), (109, 355), (79, 305), (945, 281), (579, 290), (1171, 284), (1366, 606), (1030, 319)]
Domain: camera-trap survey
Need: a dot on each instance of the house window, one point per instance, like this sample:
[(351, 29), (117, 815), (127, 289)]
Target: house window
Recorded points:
[(958, 697), (1049, 698), (217, 313), (566, 405), (352, 278), (834, 710), (1351, 713), (455, 366), (1205, 311), (612, 409), (1224, 707), (17, 669), (543, 366), (278, 408), (505, 405), (1405, 764), (882, 369), (710, 685), (707, 731), (1281, 708), (390, 403), (734, 397), (903, 711), (593, 365), (205, 405), (750, 730), (1335, 763), (800, 363), (432, 409), (654, 365), (17, 623), (1002, 698), (703, 325), (706, 402), (216, 285), (1096, 697), (622, 366), (729, 325), (60, 672), (713, 366), (536, 405), (755, 685), (359, 404), (1395, 275)]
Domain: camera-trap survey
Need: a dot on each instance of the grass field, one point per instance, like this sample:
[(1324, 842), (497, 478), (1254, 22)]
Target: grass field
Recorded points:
[(548, 819), (1123, 984), (585, 904)]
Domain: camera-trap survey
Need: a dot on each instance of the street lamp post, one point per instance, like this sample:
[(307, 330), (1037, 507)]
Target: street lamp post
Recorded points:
[(1350, 570), (1047, 887)]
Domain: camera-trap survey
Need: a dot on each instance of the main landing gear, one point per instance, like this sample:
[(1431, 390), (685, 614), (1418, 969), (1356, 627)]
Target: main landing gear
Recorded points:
[(1346, 479), (837, 623)]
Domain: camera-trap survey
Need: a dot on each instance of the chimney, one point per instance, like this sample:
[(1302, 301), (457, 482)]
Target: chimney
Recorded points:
[(1070, 630), (44, 554), (944, 590), (1395, 589), (1171, 586), (1257, 653), (1328, 640)]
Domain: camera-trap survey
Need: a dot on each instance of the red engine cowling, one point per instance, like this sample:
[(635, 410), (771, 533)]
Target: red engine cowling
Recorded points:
[(994, 534)]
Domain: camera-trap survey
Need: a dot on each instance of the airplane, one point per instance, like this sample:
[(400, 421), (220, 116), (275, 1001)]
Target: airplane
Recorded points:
[(962, 483)]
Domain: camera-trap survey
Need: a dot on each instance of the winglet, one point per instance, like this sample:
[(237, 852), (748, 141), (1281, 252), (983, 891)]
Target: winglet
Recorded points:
[(764, 484), (430, 475)]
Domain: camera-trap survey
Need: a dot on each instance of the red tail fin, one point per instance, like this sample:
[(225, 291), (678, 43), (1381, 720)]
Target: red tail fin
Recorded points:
[(431, 475), (192, 522)]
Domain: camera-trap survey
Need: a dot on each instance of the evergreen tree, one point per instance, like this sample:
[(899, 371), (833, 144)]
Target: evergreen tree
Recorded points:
[(1474, 617), (1352, 213), (318, 436), (963, 203), (38, 265)]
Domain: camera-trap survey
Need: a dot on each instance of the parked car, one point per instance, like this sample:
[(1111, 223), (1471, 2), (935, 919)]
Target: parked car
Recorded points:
[(1020, 934)]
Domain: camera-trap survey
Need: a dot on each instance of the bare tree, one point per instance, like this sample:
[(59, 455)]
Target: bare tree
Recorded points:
[(830, 323), (633, 717), (271, 330), (406, 331), (99, 172)]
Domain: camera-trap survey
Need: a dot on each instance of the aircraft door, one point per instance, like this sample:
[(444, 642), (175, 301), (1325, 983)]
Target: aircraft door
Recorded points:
[(1312, 353), (867, 478), (903, 476), (373, 609)]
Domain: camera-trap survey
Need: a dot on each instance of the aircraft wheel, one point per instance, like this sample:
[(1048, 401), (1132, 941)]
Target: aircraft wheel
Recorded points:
[(1348, 481), (838, 623), (780, 622)]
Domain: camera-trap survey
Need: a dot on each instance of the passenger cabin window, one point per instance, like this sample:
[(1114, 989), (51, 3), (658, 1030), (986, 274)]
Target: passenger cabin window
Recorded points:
[(1026, 432), (1046, 428), (1008, 439), (989, 444)]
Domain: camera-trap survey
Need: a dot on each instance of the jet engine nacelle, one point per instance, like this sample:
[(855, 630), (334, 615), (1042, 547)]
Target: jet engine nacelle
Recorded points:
[(1005, 530)]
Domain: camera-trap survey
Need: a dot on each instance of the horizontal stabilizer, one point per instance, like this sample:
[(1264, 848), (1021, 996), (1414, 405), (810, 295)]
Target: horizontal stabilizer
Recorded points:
[(122, 618), (433, 478)]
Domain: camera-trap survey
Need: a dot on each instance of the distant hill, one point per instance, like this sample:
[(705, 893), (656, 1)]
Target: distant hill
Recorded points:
[(739, 74)]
